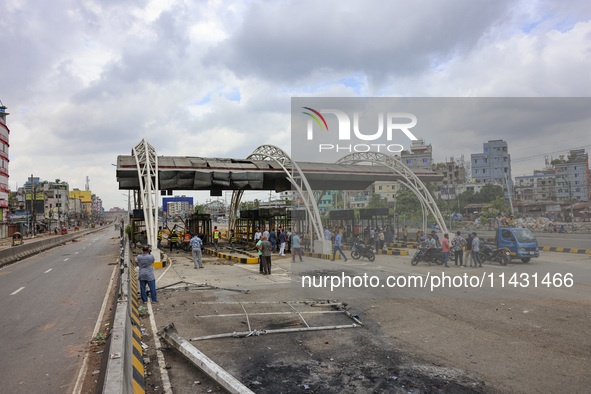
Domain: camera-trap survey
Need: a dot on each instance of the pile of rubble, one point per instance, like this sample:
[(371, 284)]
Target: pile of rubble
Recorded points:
[(540, 224)]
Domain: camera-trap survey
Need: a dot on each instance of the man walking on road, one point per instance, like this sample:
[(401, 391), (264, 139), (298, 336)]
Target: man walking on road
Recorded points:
[(445, 246), (468, 255), (295, 247), (476, 250), (338, 245), (146, 274), (216, 237), (265, 249), (457, 245), (282, 239), (196, 244)]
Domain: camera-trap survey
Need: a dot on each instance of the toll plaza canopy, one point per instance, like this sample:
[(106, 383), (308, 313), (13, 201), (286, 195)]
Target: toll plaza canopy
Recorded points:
[(198, 173)]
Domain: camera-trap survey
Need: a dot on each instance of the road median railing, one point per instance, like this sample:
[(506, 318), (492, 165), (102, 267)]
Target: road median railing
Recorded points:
[(125, 367)]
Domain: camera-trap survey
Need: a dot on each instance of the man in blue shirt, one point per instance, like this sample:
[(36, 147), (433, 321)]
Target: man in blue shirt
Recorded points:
[(296, 248), (196, 244), (338, 245), (145, 263)]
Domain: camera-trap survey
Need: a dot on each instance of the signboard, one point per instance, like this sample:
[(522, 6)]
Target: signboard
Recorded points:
[(348, 214), (38, 196)]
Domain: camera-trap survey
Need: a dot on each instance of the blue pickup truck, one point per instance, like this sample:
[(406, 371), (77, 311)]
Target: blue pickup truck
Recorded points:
[(520, 242)]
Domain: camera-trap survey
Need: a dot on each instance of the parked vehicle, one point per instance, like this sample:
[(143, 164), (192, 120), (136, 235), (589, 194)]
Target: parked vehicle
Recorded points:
[(361, 250), (521, 243), (489, 252), (433, 257)]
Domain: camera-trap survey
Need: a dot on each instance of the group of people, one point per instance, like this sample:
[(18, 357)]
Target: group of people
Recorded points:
[(280, 240), (266, 244), (457, 246)]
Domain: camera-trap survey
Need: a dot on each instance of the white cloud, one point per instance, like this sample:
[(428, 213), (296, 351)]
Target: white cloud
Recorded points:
[(86, 81)]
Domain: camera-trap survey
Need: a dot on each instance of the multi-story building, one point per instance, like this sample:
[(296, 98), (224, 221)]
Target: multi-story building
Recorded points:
[(493, 165), (454, 175), (177, 206), (56, 195), (97, 211), (4, 189), (85, 197), (387, 191), (419, 157), (572, 177)]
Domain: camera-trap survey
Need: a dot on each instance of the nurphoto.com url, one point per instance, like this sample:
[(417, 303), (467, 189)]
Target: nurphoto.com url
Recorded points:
[(442, 280)]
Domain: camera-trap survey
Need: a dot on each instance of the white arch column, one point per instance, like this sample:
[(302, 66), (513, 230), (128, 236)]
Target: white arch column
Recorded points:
[(410, 180), (297, 178)]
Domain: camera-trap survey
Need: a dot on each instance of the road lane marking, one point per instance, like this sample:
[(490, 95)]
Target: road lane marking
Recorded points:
[(14, 292), (66, 259), (48, 270), (97, 327)]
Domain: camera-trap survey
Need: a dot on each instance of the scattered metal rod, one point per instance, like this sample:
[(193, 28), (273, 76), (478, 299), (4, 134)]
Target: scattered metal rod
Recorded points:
[(355, 319), (301, 317), (278, 331), (181, 284), (246, 314), (198, 286), (217, 373), (311, 303), (267, 313)]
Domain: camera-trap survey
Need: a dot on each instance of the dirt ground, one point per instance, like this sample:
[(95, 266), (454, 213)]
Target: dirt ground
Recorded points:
[(406, 345), (349, 360)]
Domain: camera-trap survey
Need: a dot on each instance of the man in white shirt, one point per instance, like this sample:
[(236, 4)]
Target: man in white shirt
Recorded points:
[(257, 236)]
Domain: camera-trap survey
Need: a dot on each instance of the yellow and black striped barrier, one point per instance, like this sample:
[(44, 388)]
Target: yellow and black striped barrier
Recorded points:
[(139, 384), (242, 260), (323, 256), (564, 250), (394, 252)]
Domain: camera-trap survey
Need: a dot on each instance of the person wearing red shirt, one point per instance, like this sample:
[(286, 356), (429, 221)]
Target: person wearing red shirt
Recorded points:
[(445, 245)]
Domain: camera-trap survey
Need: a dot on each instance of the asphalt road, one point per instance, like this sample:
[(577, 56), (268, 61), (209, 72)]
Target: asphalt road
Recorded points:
[(49, 305)]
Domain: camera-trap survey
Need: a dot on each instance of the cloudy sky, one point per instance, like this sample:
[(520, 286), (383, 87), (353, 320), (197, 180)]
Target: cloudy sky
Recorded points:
[(85, 81)]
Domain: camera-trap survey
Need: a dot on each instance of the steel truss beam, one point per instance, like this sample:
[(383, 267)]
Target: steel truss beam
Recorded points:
[(146, 162), (411, 181)]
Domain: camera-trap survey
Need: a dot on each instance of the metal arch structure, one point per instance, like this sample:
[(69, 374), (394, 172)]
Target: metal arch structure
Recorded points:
[(410, 180), (295, 176), (146, 162)]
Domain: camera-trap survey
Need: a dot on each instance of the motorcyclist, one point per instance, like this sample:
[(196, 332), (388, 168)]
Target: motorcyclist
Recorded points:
[(431, 246)]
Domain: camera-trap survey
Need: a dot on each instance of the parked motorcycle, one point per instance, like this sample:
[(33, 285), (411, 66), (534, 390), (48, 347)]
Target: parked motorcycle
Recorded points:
[(488, 253), (433, 257), (361, 250)]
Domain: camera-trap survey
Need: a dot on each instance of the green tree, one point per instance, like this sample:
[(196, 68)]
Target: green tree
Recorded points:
[(487, 194), (199, 209), (407, 203), (376, 201)]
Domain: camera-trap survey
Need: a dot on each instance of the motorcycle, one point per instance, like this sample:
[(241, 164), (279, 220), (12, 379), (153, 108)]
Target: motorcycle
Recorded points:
[(488, 253), (361, 250), (421, 254)]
